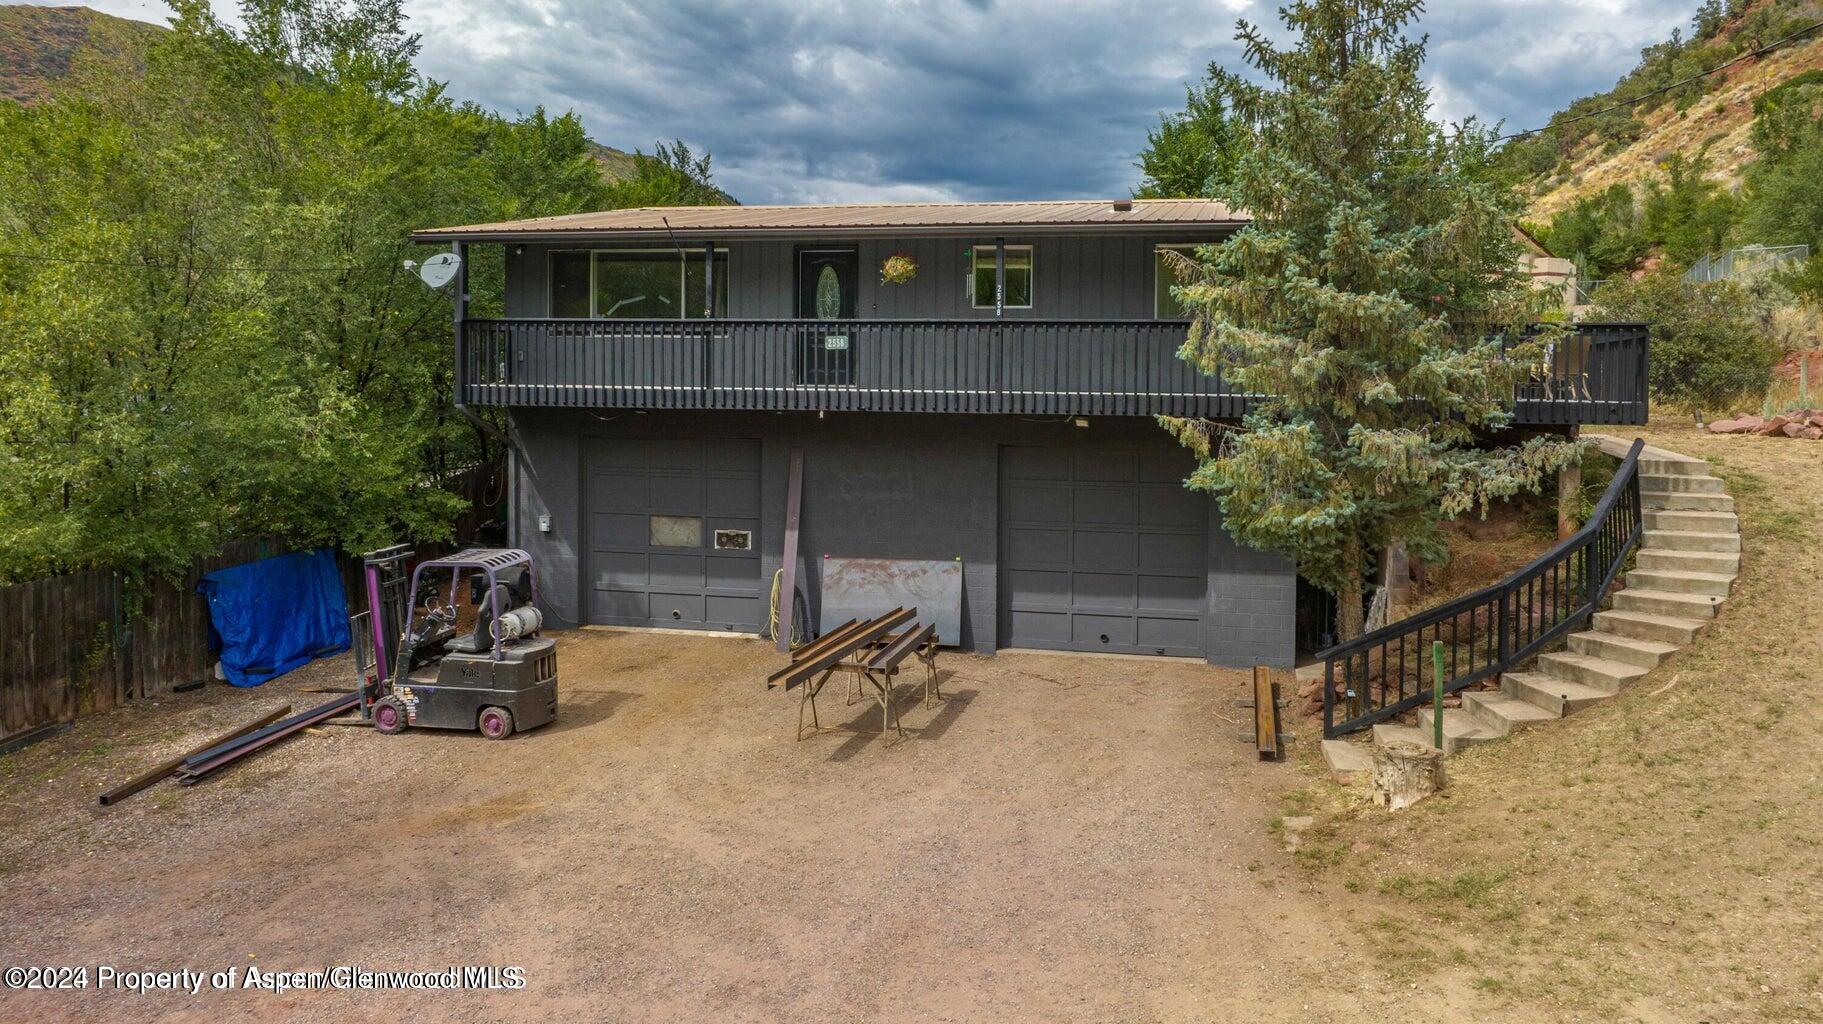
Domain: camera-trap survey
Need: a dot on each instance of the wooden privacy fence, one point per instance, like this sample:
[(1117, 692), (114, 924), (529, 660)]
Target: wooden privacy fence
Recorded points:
[(88, 641)]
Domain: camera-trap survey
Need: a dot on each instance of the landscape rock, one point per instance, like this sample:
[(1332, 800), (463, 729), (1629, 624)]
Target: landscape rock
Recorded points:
[(1738, 425)]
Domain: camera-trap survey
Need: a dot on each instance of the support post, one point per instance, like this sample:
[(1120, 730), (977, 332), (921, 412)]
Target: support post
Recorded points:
[(788, 572), (1569, 498), (708, 280), (460, 249), (999, 276)]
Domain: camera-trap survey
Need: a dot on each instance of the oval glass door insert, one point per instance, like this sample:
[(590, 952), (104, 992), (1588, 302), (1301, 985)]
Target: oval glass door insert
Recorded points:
[(829, 295)]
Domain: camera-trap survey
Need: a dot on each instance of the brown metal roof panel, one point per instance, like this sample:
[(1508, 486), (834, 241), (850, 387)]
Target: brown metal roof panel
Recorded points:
[(881, 216)]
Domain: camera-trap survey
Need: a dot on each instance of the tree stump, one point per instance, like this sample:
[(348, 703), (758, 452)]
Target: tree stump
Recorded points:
[(1405, 773)]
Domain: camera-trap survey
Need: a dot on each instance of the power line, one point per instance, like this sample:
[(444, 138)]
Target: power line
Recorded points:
[(1699, 76), (151, 265)]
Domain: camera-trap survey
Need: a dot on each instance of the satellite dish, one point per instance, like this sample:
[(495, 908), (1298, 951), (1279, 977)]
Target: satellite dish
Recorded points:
[(440, 269)]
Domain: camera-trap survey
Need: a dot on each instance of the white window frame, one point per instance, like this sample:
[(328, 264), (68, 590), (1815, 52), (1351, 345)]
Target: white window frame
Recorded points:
[(1189, 249), (550, 279), (975, 254)]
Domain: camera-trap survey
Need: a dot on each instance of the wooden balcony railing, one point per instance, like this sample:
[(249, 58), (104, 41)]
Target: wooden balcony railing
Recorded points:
[(1044, 367)]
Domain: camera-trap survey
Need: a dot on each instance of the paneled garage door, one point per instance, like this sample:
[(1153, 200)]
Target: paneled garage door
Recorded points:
[(1101, 550), (673, 533)]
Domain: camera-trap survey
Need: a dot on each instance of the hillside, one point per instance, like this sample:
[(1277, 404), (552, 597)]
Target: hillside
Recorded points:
[(39, 46), (1712, 119)]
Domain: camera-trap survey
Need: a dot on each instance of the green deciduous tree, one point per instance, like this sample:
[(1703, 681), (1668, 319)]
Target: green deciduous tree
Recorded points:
[(1686, 213), (1358, 299), (1601, 232), (1191, 152), (215, 335), (1711, 346)]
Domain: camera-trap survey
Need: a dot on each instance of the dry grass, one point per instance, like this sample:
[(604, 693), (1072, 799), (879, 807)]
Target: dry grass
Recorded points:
[(1659, 857)]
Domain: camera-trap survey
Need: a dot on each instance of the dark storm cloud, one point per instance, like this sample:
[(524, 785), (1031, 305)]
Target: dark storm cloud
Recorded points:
[(989, 99)]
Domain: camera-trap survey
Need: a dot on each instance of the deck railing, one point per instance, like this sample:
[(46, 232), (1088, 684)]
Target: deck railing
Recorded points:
[(1047, 367), (1387, 672)]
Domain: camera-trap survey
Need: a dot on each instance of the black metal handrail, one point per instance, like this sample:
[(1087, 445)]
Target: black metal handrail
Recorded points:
[(1384, 673)]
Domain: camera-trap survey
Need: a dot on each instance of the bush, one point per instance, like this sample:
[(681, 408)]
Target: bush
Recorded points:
[(1711, 348)]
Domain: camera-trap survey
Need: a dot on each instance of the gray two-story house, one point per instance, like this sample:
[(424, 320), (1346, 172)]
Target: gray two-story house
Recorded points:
[(986, 396)]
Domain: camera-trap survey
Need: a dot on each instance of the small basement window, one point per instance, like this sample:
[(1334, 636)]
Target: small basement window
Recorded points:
[(1018, 276)]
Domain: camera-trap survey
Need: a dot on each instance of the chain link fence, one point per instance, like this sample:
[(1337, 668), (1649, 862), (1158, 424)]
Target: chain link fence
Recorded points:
[(1710, 391), (1743, 262)]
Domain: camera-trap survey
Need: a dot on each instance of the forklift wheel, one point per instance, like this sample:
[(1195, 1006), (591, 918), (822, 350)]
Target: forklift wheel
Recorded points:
[(496, 723), (389, 715)]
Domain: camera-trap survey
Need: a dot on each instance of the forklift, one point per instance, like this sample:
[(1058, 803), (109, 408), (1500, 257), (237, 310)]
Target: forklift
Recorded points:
[(418, 667)]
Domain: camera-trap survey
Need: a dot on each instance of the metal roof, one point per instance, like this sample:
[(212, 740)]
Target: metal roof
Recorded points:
[(1025, 218)]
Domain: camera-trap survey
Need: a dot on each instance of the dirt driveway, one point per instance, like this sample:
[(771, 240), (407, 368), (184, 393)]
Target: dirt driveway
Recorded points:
[(1066, 839)]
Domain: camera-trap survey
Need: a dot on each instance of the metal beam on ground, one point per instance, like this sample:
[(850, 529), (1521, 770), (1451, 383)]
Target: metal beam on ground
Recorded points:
[(159, 771), (199, 765)]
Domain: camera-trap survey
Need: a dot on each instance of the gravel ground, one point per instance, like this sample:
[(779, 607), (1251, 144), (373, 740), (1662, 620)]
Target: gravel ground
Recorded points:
[(1064, 839)]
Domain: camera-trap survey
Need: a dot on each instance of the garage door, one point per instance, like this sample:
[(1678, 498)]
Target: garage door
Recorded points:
[(673, 533), (1101, 550)]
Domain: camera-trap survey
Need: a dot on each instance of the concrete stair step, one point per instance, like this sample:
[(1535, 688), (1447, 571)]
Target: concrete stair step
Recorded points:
[(1692, 521), (1680, 500), (1659, 462), (1680, 484), (1692, 540), (1670, 629), (1460, 729), (1714, 584), (1615, 647), (1347, 760), (1603, 674), (1553, 695), (1668, 602), (1502, 712), (1689, 561)]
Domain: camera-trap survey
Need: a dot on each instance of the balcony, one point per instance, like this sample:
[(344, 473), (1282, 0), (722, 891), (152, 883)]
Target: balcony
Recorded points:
[(1031, 367)]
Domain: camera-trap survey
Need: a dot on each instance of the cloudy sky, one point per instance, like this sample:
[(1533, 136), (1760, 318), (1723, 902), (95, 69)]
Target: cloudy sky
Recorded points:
[(951, 99)]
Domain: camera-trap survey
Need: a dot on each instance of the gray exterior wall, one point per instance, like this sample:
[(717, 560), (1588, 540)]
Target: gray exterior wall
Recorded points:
[(1075, 277), (883, 486)]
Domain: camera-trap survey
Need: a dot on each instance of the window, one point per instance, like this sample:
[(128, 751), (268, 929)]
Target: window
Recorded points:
[(635, 284), (675, 532), (1018, 276), (1164, 304)]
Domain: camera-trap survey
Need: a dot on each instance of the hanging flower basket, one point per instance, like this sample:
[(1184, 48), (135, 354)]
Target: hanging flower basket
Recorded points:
[(898, 268)]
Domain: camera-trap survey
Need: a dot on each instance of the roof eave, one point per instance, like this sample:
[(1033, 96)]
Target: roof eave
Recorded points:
[(435, 235)]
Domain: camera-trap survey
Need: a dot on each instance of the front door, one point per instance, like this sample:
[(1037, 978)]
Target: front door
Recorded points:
[(828, 282)]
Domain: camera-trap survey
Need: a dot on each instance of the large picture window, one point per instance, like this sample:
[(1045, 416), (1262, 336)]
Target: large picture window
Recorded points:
[(634, 284), (1165, 306), (1018, 277)]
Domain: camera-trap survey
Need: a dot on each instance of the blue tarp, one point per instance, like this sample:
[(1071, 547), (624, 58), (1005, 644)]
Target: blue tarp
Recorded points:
[(270, 616)]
